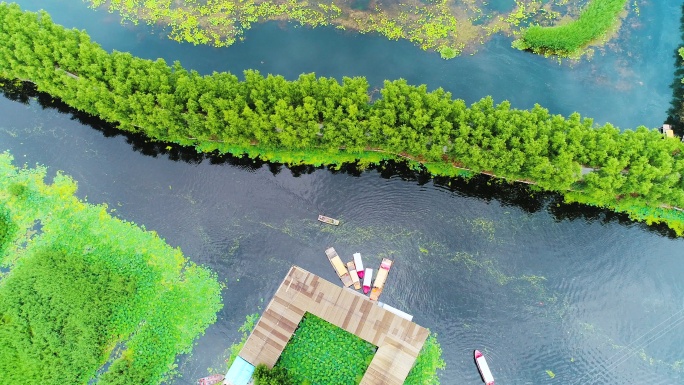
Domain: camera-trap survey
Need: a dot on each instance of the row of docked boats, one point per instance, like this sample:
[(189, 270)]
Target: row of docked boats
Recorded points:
[(354, 274)]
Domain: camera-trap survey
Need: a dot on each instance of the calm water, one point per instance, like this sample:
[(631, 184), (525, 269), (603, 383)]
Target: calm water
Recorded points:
[(590, 299)]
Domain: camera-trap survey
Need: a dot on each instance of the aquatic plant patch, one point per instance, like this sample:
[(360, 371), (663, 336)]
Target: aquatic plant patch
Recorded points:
[(87, 283), (322, 353), (599, 18), (448, 27), (428, 363), (7, 229)]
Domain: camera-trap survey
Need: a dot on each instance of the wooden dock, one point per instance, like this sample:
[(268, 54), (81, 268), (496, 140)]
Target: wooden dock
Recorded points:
[(398, 340)]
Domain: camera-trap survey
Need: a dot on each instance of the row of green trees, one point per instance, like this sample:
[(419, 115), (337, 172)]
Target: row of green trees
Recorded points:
[(599, 18), (636, 171), (87, 296)]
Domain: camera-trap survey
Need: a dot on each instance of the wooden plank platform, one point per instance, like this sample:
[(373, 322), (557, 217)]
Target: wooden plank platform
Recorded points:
[(398, 340)]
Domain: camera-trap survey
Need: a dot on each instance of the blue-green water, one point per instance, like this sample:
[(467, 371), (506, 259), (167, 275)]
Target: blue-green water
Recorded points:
[(592, 300)]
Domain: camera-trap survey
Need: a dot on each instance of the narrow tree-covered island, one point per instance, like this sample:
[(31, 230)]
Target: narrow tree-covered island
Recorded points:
[(322, 121)]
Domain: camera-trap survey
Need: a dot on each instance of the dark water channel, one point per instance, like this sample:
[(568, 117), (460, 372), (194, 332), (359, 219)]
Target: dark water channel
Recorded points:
[(544, 291)]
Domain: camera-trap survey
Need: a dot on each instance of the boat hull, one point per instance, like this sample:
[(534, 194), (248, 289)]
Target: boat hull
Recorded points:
[(328, 220), (483, 368), (210, 380)]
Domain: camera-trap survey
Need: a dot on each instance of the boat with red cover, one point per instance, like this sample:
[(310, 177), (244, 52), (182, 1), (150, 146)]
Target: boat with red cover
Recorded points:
[(482, 366), (210, 380)]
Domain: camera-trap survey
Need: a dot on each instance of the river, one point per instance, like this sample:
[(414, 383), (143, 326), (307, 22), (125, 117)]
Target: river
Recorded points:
[(567, 292)]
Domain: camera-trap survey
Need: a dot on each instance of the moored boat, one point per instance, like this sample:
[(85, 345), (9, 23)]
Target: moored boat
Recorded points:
[(328, 220), (210, 380), (368, 275), (358, 262), (482, 366), (339, 267), (354, 275), (380, 279)]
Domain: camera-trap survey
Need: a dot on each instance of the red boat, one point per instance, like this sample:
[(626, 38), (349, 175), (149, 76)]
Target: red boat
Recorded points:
[(210, 380), (482, 366)]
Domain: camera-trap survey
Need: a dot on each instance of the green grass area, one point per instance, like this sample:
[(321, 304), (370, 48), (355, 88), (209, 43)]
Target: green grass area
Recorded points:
[(90, 296), (321, 353), (599, 18), (7, 229)]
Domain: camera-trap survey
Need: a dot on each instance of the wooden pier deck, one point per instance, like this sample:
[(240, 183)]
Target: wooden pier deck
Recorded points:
[(398, 340)]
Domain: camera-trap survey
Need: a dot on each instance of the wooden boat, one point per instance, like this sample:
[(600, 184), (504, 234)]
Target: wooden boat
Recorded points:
[(328, 220), (339, 267), (359, 264), (482, 366), (367, 276), (354, 275), (210, 380), (380, 279)]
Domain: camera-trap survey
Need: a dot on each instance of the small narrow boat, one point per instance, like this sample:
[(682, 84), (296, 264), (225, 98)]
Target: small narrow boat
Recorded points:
[(482, 366), (210, 380), (380, 279), (339, 267), (367, 276), (359, 264), (354, 275), (328, 220)]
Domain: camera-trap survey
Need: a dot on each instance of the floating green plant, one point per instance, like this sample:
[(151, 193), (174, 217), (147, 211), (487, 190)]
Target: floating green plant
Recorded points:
[(87, 283), (322, 353), (444, 26)]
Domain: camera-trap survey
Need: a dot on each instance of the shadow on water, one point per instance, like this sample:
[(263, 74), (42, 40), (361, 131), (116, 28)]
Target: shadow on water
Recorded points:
[(675, 115), (480, 186)]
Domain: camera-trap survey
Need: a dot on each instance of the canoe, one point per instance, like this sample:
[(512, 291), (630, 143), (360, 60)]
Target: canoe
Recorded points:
[(354, 275), (210, 380), (482, 366), (380, 279), (328, 220), (359, 264), (339, 267), (367, 276)]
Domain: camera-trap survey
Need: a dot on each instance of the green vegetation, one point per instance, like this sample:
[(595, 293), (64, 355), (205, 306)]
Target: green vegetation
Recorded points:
[(90, 296), (424, 371), (448, 27), (7, 229), (275, 376), (245, 329), (599, 19), (322, 353), (320, 121)]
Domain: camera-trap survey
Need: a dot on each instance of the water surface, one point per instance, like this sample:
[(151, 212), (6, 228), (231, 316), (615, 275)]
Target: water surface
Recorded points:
[(590, 299)]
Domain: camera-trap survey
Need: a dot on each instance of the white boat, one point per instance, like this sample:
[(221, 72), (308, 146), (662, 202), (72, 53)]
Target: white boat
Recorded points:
[(359, 264), (482, 366), (367, 277), (328, 220)]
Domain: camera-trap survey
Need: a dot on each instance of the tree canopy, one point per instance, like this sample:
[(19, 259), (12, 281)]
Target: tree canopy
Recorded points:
[(317, 119)]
